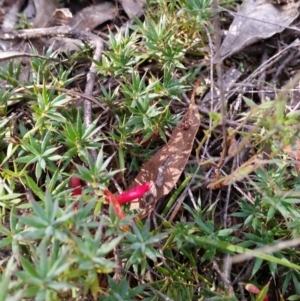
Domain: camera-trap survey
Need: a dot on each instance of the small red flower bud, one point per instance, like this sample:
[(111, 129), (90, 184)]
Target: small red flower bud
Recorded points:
[(251, 288), (75, 183)]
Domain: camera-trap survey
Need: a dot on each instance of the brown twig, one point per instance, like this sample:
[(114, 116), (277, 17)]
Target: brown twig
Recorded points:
[(67, 91), (223, 277), (217, 31), (262, 77), (90, 82), (212, 88)]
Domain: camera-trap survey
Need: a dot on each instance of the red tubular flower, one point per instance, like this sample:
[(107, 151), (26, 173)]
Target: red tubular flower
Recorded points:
[(126, 197), (133, 194), (123, 198)]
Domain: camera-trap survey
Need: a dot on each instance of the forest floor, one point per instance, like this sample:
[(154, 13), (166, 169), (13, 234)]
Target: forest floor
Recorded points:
[(190, 106)]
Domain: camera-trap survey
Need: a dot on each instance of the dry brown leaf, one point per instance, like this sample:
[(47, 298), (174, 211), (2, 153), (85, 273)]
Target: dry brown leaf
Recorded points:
[(92, 16), (176, 153), (44, 10), (256, 20), (133, 7)]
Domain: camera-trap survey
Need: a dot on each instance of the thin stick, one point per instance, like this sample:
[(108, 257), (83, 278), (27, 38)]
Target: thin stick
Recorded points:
[(67, 91), (217, 31)]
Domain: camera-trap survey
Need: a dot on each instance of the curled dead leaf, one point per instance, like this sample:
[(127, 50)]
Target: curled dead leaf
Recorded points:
[(60, 17)]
